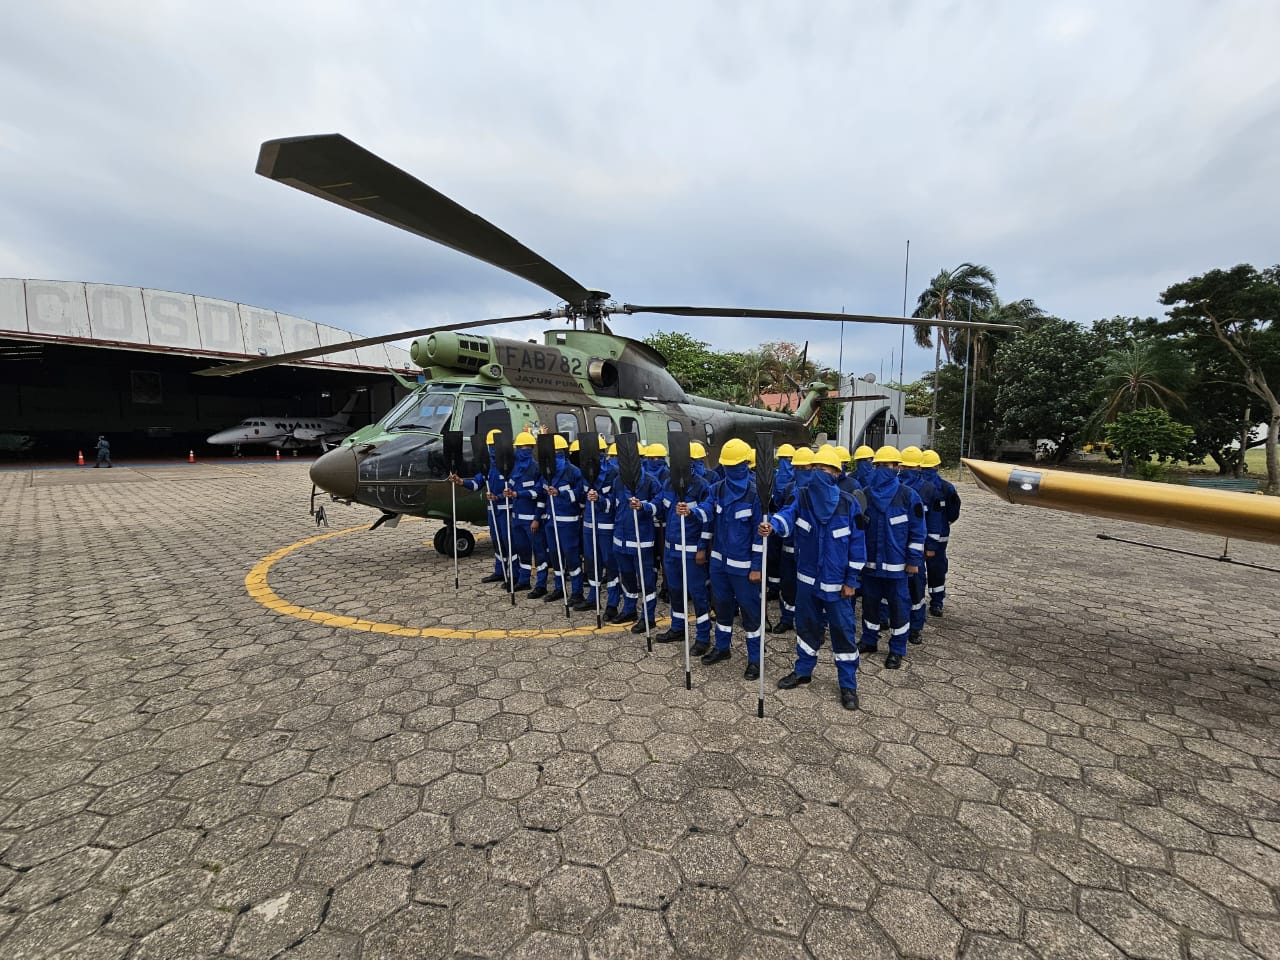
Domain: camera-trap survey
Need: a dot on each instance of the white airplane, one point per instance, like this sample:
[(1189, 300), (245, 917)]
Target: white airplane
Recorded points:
[(287, 433)]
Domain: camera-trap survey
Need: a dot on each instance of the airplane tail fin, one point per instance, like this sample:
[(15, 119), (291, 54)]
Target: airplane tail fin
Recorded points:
[(345, 413)]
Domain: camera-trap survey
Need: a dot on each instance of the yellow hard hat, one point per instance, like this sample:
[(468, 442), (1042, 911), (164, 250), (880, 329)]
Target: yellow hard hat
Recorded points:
[(613, 450), (655, 450), (887, 454), (600, 440), (863, 453), (561, 443), (525, 439), (696, 450), (489, 437), (930, 458), (751, 458), (735, 451), (844, 454), (827, 456), (911, 456), (786, 450), (803, 458), (575, 447)]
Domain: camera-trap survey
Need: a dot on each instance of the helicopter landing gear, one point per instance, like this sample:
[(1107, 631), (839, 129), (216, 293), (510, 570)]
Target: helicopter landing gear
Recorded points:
[(443, 542)]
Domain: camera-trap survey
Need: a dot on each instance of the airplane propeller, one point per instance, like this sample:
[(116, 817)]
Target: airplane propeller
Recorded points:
[(336, 169)]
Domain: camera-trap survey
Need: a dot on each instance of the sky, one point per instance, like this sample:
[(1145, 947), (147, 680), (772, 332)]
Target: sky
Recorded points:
[(743, 153)]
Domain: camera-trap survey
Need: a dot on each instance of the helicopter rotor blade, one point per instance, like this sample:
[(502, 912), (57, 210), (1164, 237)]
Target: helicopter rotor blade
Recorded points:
[(764, 314), (334, 168), (258, 363)]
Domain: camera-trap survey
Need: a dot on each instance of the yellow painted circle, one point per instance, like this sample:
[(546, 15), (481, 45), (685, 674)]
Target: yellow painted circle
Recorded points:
[(255, 582)]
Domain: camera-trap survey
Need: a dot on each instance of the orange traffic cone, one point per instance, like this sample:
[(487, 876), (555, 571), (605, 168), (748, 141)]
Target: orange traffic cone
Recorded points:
[(277, 454), (80, 458), (191, 456)]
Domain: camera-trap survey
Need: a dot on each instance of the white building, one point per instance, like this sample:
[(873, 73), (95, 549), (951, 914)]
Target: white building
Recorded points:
[(872, 414)]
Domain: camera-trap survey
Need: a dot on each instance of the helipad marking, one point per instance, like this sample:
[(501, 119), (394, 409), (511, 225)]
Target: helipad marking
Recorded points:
[(255, 582)]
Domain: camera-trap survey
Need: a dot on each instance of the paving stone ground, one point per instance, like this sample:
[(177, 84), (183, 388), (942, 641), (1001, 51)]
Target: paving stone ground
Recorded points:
[(1083, 760)]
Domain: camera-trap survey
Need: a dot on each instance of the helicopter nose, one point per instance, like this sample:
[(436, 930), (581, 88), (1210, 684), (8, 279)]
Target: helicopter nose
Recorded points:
[(336, 473)]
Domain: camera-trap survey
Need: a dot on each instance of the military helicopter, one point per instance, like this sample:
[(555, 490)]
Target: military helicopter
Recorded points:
[(581, 379)]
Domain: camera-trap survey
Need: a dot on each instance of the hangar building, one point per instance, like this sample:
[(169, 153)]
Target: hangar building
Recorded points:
[(80, 359)]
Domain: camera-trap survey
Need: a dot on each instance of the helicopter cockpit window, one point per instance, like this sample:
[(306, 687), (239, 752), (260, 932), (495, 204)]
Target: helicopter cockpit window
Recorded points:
[(567, 424), (429, 411), (471, 409)]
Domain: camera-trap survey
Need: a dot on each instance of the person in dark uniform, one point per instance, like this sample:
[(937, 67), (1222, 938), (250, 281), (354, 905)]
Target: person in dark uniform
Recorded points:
[(104, 452)]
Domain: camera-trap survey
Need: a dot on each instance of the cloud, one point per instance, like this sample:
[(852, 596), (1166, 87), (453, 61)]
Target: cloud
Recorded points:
[(767, 154)]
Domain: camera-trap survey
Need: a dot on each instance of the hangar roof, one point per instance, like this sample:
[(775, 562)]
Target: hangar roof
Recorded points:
[(137, 318)]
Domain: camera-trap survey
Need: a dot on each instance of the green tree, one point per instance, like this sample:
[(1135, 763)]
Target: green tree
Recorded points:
[(919, 397), (1240, 310), (696, 367), (1149, 432), (1141, 373), (1045, 380), (960, 294)]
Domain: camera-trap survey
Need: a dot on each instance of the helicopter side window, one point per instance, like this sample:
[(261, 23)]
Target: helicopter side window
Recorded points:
[(429, 412), (675, 426), (567, 424), (471, 410), (604, 427), (629, 426)]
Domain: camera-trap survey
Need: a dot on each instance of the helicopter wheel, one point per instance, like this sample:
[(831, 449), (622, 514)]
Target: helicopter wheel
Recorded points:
[(444, 545)]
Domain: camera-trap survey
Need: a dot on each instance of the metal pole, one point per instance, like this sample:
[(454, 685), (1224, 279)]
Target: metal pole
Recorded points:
[(902, 349), (964, 395), (684, 604), (764, 600), (564, 574), (511, 546), (497, 537), (644, 597), (453, 531), (595, 564)]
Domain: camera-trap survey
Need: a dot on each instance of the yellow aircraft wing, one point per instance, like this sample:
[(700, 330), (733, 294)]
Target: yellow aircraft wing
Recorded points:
[(1240, 516)]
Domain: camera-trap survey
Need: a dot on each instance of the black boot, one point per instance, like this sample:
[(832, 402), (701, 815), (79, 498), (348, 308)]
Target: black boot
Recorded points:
[(865, 648), (792, 680), (848, 698), (893, 661), (752, 672), (915, 637), (671, 636), (610, 614), (935, 611), (698, 649), (537, 593), (777, 628), (553, 596), (624, 617), (714, 656), (494, 578), (579, 602), (640, 627)]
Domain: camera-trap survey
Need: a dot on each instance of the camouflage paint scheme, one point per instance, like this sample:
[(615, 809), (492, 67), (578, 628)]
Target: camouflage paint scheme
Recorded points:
[(586, 374)]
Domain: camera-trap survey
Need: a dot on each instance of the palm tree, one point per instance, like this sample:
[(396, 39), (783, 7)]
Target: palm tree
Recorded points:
[(954, 295), (1142, 373), (951, 295), (980, 345)]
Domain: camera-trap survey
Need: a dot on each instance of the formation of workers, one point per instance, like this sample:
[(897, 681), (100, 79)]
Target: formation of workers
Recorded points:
[(836, 527)]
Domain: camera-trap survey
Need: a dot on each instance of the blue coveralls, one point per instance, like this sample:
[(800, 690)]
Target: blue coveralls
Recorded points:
[(784, 476), (947, 509), (736, 552), (104, 452), (597, 540), (830, 555), (632, 528), (677, 567), (494, 483), (565, 511), (926, 490), (895, 540), (782, 547), (530, 547)]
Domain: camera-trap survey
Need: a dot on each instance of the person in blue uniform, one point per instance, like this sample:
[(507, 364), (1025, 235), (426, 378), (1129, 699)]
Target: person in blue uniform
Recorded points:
[(947, 508), (895, 550), (910, 473), (830, 555), (684, 562), (736, 552), (862, 466), (633, 515), (493, 483), (560, 513), (783, 477), (597, 536), (798, 474), (523, 487)]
